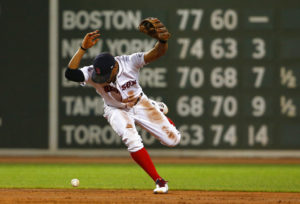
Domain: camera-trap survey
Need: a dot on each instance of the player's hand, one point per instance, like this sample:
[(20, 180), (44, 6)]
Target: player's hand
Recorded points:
[(90, 39)]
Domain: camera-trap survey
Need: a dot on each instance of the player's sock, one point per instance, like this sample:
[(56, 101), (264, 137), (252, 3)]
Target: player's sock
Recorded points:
[(171, 121), (143, 159)]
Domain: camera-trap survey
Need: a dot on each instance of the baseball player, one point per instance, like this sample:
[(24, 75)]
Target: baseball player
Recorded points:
[(116, 79)]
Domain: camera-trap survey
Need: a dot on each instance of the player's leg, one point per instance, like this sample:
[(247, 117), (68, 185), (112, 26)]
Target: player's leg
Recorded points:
[(123, 124), (142, 158), (162, 107), (155, 122)]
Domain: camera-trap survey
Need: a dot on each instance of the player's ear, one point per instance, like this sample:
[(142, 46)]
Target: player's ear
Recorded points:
[(116, 68), (116, 65)]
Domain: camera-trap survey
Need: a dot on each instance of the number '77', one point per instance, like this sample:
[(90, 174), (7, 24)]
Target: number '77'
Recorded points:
[(185, 13)]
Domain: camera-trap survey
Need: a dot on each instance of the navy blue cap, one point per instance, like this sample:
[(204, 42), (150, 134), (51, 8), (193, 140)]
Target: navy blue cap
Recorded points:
[(103, 66)]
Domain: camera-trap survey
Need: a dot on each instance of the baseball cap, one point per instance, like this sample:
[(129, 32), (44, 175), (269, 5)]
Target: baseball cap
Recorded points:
[(103, 65)]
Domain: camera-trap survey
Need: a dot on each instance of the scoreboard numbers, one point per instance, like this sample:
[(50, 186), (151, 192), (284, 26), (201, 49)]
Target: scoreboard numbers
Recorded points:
[(230, 76)]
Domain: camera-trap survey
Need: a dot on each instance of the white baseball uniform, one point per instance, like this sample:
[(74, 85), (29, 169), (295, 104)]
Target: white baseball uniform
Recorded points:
[(122, 117)]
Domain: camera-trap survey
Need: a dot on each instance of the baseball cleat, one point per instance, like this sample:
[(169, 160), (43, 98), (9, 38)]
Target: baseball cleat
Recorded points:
[(161, 186), (160, 106), (163, 107)]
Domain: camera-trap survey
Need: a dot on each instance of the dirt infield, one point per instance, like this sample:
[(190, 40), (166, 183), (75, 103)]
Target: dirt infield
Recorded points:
[(144, 196), (134, 196)]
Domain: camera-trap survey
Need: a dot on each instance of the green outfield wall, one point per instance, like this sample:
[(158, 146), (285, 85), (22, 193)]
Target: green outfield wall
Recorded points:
[(230, 77)]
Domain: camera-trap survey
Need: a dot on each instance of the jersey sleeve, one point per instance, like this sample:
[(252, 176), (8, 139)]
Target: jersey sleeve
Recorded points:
[(87, 72), (74, 75), (137, 59)]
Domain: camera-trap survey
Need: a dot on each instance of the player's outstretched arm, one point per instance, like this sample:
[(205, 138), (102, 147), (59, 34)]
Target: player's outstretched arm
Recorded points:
[(88, 41), (159, 50)]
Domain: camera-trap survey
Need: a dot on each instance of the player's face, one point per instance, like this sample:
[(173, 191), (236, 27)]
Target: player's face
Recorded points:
[(114, 73)]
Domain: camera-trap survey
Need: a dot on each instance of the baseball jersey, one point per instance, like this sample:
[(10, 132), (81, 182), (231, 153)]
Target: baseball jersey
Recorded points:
[(126, 84)]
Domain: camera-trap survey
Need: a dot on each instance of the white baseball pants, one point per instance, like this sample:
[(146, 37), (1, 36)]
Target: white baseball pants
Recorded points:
[(144, 114)]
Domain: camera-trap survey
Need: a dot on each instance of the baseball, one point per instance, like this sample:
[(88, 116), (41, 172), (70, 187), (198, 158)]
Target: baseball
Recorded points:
[(75, 182)]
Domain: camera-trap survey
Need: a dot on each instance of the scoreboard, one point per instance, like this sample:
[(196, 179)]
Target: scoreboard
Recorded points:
[(230, 77)]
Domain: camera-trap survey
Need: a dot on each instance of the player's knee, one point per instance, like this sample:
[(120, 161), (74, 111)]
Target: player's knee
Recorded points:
[(177, 140), (133, 146), (173, 139), (133, 142)]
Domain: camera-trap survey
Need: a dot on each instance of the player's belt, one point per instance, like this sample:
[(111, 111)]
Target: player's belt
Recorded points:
[(138, 98), (130, 103)]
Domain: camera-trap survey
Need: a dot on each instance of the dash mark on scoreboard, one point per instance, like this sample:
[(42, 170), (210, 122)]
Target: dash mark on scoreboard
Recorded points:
[(258, 19)]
